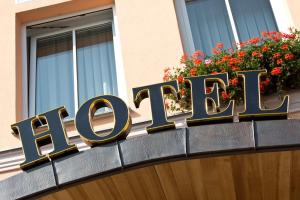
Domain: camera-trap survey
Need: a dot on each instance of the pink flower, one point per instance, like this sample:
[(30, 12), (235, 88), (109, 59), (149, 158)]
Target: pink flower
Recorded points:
[(167, 69), (208, 61), (166, 77)]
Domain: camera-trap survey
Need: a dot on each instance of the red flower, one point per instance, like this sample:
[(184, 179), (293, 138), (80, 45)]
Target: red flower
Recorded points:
[(180, 79), (276, 36), (241, 53), (276, 39), (234, 61), (219, 62), (225, 95), (215, 73), (220, 45), (226, 58), (198, 53), (264, 83), (242, 44), (279, 35), (265, 34), (223, 70), (284, 46), (276, 55), (234, 81), (289, 56), (208, 90), (254, 40), (265, 48), (289, 36), (193, 72), (261, 87), (183, 59), (183, 91), (256, 54), (197, 61), (215, 51), (276, 71), (267, 82), (235, 68), (279, 62)]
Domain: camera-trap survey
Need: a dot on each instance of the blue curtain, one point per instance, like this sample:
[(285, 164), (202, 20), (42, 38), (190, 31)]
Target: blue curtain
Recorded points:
[(210, 24), (252, 17), (54, 74), (95, 63)]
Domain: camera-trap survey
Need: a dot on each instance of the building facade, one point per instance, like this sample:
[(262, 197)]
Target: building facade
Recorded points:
[(64, 52)]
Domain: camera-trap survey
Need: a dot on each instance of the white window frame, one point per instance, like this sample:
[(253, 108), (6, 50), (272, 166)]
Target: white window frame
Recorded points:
[(120, 72), (280, 10)]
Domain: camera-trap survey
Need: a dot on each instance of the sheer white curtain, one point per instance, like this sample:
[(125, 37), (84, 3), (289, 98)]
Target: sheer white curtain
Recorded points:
[(96, 70), (95, 63), (252, 17), (54, 74), (210, 24)]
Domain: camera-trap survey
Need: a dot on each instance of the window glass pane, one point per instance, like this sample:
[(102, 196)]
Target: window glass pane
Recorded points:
[(95, 63), (252, 17), (54, 73), (210, 24)]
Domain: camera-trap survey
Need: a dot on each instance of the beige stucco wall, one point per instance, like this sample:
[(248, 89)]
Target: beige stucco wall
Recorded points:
[(150, 41), (294, 6), (7, 74)]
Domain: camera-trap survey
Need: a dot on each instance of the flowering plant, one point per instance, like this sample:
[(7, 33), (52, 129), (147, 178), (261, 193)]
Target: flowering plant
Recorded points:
[(278, 53)]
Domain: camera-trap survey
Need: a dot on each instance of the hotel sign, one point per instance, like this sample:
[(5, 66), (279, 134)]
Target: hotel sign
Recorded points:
[(56, 133)]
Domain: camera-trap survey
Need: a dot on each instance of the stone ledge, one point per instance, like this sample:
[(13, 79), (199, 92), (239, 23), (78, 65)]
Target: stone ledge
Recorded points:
[(28, 183), (92, 162), (205, 140), (153, 146), (220, 137), (277, 133)]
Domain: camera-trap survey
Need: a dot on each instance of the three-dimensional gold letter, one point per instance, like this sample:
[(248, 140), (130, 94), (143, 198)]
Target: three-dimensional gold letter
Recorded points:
[(54, 134)]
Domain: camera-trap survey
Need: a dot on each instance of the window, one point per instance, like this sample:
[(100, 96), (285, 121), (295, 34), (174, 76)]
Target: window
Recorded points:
[(71, 61), (205, 22)]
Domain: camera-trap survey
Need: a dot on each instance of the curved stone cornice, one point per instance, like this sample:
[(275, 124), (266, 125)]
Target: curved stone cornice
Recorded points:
[(208, 140)]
